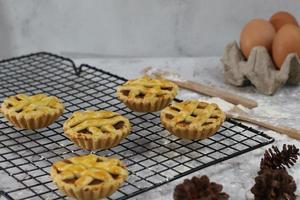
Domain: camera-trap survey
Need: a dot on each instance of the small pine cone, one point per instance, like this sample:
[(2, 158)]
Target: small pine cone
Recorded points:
[(274, 185), (199, 188), (274, 159)]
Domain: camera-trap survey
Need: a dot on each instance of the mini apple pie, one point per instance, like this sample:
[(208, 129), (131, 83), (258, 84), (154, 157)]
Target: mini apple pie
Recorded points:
[(192, 119), (32, 112), (97, 129), (88, 177), (146, 94)]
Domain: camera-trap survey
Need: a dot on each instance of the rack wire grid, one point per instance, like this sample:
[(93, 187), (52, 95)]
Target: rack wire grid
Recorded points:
[(153, 156)]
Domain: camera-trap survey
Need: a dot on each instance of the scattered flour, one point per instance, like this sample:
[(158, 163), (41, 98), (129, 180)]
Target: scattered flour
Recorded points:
[(270, 111), (224, 105), (264, 111), (152, 71)]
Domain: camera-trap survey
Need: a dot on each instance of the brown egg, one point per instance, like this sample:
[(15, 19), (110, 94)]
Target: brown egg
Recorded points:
[(281, 18), (257, 32), (286, 41)]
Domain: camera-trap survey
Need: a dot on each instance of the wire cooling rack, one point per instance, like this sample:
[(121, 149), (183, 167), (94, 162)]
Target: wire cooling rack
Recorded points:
[(153, 156)]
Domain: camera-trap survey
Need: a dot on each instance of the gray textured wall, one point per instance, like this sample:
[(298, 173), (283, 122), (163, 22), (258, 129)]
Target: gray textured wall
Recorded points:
[(129, 27)]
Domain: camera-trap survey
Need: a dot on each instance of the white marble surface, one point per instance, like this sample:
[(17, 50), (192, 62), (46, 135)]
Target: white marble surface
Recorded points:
[(237, 174)]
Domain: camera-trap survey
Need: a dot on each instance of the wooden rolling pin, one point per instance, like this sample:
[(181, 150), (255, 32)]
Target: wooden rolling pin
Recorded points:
[(215, 92), (236, 113)]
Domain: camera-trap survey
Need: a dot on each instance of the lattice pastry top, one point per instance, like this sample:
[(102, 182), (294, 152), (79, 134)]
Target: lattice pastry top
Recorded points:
[(147, 89), (35, 105), (96, 124), (193, 114), (192, 119), (89, 171)]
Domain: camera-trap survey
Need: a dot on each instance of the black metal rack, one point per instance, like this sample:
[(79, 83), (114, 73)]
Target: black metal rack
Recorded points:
[(153, 156)]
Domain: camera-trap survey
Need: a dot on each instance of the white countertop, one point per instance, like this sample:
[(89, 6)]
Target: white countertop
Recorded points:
[(237, 174)]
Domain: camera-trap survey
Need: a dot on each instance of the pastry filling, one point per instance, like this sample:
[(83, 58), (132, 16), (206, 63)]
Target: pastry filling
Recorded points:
[(167, 88), (67, 161), (160, 95), (125, 92), (140, 96), (85, 131), (184, 123), (214, 117), (50, 106), (200, 106), (119, 125), (175, 109), (18, 99), (169, 116), (18, 111), (114, 176), (206, 123), (95, 182), (70, 181), (99, 160), (193, 115)]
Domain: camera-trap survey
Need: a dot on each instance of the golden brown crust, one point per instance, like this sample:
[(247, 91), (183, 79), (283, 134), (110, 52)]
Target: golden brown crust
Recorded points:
[(97, 129), (89, 176), (192, 119), (31, 112), (146, 94)]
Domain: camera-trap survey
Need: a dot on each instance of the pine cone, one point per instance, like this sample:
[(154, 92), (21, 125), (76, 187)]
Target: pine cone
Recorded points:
[(274, 159), (274, 185), (199, 188)]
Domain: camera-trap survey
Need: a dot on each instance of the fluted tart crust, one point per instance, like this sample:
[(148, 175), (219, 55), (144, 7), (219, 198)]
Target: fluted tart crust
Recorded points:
[(192, 119), (32, 112), (146, 94), (89, 177), (97, 129)]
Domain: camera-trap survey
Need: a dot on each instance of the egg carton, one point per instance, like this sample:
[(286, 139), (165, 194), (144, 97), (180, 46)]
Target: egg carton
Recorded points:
[(259, 70)]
